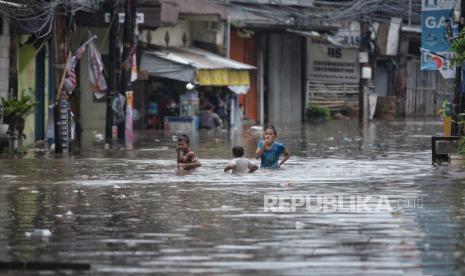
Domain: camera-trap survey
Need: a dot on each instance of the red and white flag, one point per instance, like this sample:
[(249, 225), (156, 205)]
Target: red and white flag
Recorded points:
[(96, 77), (71, 78)]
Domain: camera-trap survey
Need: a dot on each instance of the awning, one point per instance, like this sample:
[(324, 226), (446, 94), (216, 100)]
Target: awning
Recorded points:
[(196, 66)]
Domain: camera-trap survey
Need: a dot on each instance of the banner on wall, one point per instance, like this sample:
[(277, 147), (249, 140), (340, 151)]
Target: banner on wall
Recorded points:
[(436, 19), (331, 64)]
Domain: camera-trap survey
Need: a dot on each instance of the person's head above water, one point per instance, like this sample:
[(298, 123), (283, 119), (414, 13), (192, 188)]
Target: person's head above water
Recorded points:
[(237, 151), (270, 133), (183, 142)]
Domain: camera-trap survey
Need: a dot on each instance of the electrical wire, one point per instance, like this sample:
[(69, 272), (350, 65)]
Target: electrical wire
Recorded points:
[(36, 16), (328, 11)]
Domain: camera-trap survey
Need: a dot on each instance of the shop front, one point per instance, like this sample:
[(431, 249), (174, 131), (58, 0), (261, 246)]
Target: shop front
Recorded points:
[(191, 88)]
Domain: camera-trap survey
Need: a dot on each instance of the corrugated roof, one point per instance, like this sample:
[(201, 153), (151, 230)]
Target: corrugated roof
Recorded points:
[(198, 58)]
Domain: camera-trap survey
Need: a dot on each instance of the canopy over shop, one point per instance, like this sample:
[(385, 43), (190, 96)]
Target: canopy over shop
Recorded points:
[(196, 66)]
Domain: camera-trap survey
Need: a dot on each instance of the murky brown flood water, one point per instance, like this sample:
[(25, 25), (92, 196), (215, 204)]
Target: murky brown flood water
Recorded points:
[(131, 212)]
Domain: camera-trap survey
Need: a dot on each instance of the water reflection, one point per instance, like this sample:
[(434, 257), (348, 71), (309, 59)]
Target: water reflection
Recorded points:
[(133, 212)]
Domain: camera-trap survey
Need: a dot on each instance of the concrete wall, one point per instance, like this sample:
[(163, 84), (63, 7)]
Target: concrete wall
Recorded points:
[(4, 57), (92, 112), (185, 32), (209, 32), (175, 34), (284, 79)]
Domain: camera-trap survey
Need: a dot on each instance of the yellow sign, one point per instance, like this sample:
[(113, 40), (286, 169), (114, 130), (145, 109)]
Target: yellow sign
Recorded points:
[(447, 126), (223, 77)]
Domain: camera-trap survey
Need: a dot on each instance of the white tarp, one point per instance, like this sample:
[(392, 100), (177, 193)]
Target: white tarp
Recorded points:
[(393, 36)]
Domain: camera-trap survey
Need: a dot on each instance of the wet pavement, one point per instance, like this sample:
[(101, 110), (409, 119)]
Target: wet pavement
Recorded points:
[(132, 212)]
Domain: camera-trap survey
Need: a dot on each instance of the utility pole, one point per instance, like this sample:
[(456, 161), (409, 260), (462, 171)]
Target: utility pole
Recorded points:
[(128, 42), (60, 50), (364, 48), (112, 72), (457, 103)]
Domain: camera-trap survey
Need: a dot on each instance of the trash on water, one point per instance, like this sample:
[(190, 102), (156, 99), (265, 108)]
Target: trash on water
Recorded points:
[(98, 137), (345, 140), (69, 213), (299, 225), (38, 233)]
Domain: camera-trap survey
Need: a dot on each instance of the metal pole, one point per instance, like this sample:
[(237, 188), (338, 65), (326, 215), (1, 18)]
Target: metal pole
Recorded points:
[(261, 78), (111, 74), (60, 52), (128, 41), (365, 38), (457, 102)]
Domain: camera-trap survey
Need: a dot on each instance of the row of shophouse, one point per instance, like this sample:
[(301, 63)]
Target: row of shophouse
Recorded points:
[(264, 57)]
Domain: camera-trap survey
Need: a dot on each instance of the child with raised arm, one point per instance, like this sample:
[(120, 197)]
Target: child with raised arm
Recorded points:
[(269, 150), (186, 158), (240, 164)]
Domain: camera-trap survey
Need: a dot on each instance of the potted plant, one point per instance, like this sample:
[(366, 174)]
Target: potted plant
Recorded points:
[(459, 157), (317, 114), (14, 112)]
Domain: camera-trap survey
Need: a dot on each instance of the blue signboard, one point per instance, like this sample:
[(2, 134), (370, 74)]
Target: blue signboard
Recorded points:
[(436, 16)]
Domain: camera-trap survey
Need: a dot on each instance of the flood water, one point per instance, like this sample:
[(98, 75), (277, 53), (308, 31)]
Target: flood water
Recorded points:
[(132, 212)]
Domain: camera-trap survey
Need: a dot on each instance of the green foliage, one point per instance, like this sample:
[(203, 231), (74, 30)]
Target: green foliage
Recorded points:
[(458, 46), (316, 112), (21, 150), (461, 146), (461, 123), (18, 107), (445, 110)]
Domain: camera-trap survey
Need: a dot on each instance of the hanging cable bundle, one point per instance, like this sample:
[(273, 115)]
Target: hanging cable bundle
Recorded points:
[(36, 16), (330, 10)]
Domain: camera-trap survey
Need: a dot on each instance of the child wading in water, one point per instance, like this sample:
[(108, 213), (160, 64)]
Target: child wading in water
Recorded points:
[(269, 150), (186, 157), (240, 164)]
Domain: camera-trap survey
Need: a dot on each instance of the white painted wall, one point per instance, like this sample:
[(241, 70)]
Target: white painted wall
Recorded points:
[(203, 31), (175, 34)]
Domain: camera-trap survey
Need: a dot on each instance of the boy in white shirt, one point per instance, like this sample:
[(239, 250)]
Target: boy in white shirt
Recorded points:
[(240, 164)]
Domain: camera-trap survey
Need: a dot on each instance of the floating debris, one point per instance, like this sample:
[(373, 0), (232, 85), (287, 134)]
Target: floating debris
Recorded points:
[(38, 233)]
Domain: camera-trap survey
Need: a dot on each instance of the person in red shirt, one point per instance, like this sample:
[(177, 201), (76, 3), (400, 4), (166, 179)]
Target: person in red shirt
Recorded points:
[(186, 158)]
